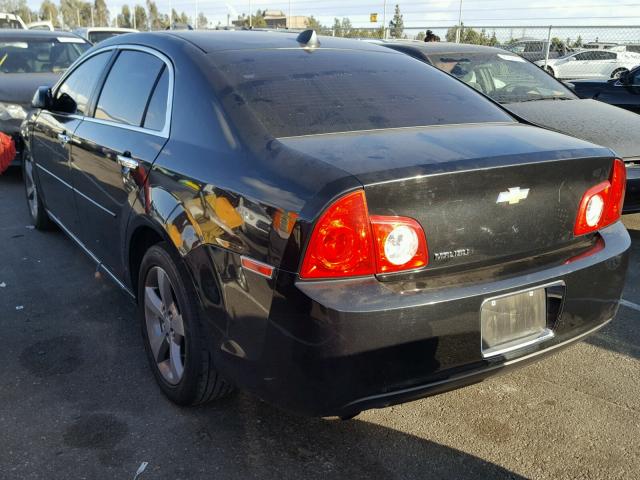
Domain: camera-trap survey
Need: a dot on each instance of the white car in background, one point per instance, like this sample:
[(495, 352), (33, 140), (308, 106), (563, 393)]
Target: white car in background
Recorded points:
[(98, 34), (11, 20), (591, 64)]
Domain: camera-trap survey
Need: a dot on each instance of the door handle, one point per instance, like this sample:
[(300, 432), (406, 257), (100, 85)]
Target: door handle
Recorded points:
[(63, 138), (127, 162)]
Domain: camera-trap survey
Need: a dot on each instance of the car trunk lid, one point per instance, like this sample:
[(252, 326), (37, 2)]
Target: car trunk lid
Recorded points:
[(483, 194)]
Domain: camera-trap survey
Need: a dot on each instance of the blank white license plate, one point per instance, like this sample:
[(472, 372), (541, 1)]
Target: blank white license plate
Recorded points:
[(513, 321)]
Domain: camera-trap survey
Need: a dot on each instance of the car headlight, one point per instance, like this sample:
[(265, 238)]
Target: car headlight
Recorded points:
[(12, 111)]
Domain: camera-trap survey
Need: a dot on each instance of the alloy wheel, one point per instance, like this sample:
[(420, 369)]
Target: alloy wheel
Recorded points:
[(165, 326)]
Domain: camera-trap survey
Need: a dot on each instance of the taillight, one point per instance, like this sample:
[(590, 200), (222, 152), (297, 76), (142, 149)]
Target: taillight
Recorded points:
[(601, 205), (400, 244), (346, 242)]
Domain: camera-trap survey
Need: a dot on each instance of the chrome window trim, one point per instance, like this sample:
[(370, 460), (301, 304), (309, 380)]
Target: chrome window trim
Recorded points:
[(166, 130)]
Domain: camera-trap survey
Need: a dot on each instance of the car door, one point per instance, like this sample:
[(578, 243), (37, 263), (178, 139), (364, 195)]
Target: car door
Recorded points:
[(116, 146), (607, 63), (53, 137), (584, 66), (624, 93)]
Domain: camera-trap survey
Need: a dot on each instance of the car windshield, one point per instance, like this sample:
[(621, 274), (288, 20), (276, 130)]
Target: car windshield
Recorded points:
[(298, 92), (504, 77), (40, 55)]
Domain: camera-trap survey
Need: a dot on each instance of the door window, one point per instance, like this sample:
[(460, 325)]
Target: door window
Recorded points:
[(157, 110), (74, 93), (126, 91)]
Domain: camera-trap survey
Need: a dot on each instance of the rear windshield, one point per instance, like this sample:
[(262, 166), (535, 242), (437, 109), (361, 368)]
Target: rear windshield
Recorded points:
[(97, 37), (296, 92)]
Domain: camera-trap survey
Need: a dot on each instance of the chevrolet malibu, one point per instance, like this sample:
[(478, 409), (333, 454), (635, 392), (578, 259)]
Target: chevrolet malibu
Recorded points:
[(328, 224)]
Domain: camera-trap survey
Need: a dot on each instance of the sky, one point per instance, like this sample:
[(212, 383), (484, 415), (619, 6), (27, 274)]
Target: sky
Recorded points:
[(416, 13)]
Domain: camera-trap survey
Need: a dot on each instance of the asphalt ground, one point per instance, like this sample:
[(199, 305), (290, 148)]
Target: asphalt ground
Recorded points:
[(77, 400)]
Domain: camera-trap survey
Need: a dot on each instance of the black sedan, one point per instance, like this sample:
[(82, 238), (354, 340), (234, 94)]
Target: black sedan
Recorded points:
[(29, 59), (536, 97), (623, 92), (326, 223)]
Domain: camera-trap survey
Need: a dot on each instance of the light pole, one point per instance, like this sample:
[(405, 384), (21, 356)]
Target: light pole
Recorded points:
[(384, 20), (459, 29), (250, 16), (289, 22), (196, 14)]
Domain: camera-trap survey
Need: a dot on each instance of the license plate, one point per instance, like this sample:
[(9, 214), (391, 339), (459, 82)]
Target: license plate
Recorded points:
[(514, 321)]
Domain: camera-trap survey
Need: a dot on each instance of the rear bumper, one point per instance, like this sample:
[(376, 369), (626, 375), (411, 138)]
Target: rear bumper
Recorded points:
[(338, 347)]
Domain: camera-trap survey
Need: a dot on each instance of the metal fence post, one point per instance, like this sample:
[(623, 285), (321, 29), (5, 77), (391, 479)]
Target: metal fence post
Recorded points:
[(546, 56)]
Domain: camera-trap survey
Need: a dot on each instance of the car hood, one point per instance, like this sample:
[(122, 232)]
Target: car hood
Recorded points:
[(593, 81), (589, 120), (19, 87)]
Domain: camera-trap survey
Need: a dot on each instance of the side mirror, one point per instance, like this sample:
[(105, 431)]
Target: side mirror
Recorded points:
[(42, 98), (625, 78)]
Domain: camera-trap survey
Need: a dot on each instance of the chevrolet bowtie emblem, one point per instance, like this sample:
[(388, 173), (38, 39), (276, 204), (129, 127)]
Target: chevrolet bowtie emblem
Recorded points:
[(513, 195)]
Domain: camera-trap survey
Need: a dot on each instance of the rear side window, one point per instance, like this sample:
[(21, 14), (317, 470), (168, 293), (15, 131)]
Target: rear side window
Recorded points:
[(128, 86), (295, 92), (79, 86), (157, 110)]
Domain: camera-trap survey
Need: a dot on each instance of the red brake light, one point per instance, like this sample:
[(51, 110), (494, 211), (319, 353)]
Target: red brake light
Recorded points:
[(601, 205), (346, 242)]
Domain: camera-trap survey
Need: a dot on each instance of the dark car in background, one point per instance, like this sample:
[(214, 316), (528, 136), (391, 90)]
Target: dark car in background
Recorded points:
[(528, 92), (326, 223), (28, 59), (623, 92)]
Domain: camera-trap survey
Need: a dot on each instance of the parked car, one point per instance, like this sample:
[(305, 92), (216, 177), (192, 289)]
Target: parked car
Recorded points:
[(623, 92), (418, 238), (12, 21), (98, 34), (44, 25), (534, 50), (29, 59), (603, 46), (529, 93), (592, 63)]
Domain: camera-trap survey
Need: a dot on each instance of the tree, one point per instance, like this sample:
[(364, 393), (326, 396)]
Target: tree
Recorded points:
[(49, 12), (17, 7), (75, 13), (202, 21), (578, 42), (421, 36), (396, 25), (469, 35), (315, 24), (124, 17), (155, 22), (140, 16), (101, 13)]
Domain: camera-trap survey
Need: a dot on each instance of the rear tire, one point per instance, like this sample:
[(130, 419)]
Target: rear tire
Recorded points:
[(37, 209), (617, 73), (179, 350), (550, 71)]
